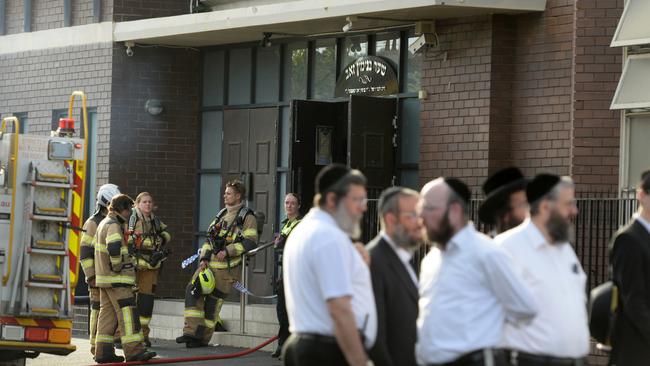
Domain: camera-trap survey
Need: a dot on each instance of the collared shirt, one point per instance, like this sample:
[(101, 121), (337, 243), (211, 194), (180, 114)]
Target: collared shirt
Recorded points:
[(403, 255), (555, 276), (643, 221), (321, 263), (467, 292)]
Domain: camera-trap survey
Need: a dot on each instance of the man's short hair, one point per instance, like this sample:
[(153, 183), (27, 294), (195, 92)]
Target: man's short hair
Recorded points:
[(238, 186), (120, 202), (389, 201)]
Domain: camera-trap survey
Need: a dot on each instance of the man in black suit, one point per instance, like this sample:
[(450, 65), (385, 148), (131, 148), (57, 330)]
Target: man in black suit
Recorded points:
[(630, 259), (394, 280)]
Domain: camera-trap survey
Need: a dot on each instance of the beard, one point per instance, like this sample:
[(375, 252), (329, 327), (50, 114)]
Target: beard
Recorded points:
[(403, 239), (443, 234), (349, 223), (560, 229), (508, 222)]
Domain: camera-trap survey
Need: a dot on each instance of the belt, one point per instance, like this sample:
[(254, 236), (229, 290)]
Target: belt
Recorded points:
[(474, 356), (515, 357), (317, 338)]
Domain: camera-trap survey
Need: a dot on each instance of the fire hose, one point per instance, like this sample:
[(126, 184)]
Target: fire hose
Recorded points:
[(195, 358)]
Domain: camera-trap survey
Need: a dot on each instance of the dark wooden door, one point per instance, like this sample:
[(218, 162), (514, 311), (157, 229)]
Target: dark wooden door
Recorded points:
[(250, 154), (319, 135)]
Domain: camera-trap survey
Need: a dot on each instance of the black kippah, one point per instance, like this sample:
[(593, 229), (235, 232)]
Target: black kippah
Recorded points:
[(540, 186), (329, 175), (459, 188), (387, 194)]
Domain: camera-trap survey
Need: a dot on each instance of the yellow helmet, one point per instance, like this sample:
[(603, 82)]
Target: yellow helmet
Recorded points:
[(206, 281)]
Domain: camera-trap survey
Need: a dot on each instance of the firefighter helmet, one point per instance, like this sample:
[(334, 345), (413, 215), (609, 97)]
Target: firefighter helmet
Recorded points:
[(106, 194), (206, 281)]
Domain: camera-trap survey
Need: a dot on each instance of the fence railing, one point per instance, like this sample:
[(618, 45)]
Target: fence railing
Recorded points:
[(597, 221)]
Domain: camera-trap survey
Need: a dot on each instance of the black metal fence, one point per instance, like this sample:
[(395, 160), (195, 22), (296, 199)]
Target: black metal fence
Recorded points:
[(597, 221)]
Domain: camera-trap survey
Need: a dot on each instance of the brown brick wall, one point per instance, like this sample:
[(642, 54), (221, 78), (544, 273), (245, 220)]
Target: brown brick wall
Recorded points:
[(39, 82), (542, 107), (597, 70), (159, 154), (125, 10), (454, 137)]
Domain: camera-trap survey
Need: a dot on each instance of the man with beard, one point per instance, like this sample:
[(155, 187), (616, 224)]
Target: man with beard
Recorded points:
[(630, 258), (393, 278), (559, 334), (505, 204), (468, 286), (328, 290)]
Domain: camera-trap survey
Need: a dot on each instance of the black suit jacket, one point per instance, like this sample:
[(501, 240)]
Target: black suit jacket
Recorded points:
[(396, 296), (630, 258)]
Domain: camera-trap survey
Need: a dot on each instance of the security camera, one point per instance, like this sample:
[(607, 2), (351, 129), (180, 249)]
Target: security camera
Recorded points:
[(425, 40), (348, 26), (129, 47)]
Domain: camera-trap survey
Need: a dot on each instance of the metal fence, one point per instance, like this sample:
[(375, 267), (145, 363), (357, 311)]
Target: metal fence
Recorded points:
[(597, 221)]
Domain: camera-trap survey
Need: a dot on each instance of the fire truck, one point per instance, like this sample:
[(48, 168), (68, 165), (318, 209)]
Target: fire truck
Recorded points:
[(41, 203)]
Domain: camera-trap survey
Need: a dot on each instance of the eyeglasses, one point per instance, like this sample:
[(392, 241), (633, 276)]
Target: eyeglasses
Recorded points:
[(362, 201)]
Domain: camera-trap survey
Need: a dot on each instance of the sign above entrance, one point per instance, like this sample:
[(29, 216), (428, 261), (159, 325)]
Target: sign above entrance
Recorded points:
[(369, 75)]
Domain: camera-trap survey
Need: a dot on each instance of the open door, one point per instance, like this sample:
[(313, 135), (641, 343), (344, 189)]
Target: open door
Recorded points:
[(319, 137), (372, 140)]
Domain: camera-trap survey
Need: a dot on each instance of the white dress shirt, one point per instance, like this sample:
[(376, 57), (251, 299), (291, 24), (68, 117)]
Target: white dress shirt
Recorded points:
[(467, 292), (403, 255), (643, 221), (555, 276), (321, 263)]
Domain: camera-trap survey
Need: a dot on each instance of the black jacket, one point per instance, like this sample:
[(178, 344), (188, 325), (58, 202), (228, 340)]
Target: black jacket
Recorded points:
[(630, 259), (396, 296)]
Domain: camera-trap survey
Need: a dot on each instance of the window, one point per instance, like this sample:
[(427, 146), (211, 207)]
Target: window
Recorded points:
[(295, 71), (267, 75), (239, 77), (413, 67), (324, 70), (22, 120), (353, 48), (387, 45)]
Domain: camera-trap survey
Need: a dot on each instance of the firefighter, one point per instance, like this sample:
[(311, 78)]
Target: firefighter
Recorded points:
[(87, 253), (231, 233), (115, 277), (148, 236)]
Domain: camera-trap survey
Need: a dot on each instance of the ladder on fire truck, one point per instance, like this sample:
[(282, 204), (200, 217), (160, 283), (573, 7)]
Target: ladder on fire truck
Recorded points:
[(43, 265)]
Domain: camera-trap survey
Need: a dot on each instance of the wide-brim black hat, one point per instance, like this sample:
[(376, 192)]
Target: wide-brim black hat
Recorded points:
[(497, 190)]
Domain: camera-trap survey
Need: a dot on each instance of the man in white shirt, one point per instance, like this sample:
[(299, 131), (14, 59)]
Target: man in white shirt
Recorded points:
[(394, 280), (468, 286), (559, 334), (328, 289)]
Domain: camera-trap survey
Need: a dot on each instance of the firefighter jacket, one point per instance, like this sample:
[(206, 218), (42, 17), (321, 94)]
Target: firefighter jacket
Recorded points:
[(113, 263), (87, 249), (234, 230), (287, 227), (147, 235)]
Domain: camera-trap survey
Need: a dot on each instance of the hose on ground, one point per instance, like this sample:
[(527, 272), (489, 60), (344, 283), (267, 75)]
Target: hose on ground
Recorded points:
[(158, 361)]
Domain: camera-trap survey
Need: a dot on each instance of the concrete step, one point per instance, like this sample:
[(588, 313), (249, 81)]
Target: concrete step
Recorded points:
[(261, 324)]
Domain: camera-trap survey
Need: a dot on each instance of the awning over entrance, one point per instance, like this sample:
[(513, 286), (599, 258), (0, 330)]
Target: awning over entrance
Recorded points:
[(633, 27), (632, 90), (304, 17)]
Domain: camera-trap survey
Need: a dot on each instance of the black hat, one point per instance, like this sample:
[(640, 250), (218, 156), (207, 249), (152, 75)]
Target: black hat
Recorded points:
[(328, 176), (459, 188), (540, 186), (497, 190)]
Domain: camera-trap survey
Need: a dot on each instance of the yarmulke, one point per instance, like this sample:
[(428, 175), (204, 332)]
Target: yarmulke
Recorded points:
[(459, 188), (540, 186), (497, 190), (386, 194), (328, 176)]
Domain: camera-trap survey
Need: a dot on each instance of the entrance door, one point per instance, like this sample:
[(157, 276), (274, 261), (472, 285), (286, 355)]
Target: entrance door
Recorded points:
[(249, 154), (637, 152), (319, 137), (372, 140)]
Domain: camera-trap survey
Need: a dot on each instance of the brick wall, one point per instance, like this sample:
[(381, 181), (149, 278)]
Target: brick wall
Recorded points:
[(542, 106), (39, 82), (125, 10), (49, 14), (14, 16), (159, 154), (597, 70), (46, 15), (454, 134), (82, 11)]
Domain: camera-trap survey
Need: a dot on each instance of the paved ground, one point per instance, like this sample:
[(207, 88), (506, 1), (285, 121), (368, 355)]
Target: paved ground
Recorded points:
[(165, 349)]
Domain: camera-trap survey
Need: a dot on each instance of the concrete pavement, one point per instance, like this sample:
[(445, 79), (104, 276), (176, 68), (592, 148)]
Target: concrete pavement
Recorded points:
[(165, 349)]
